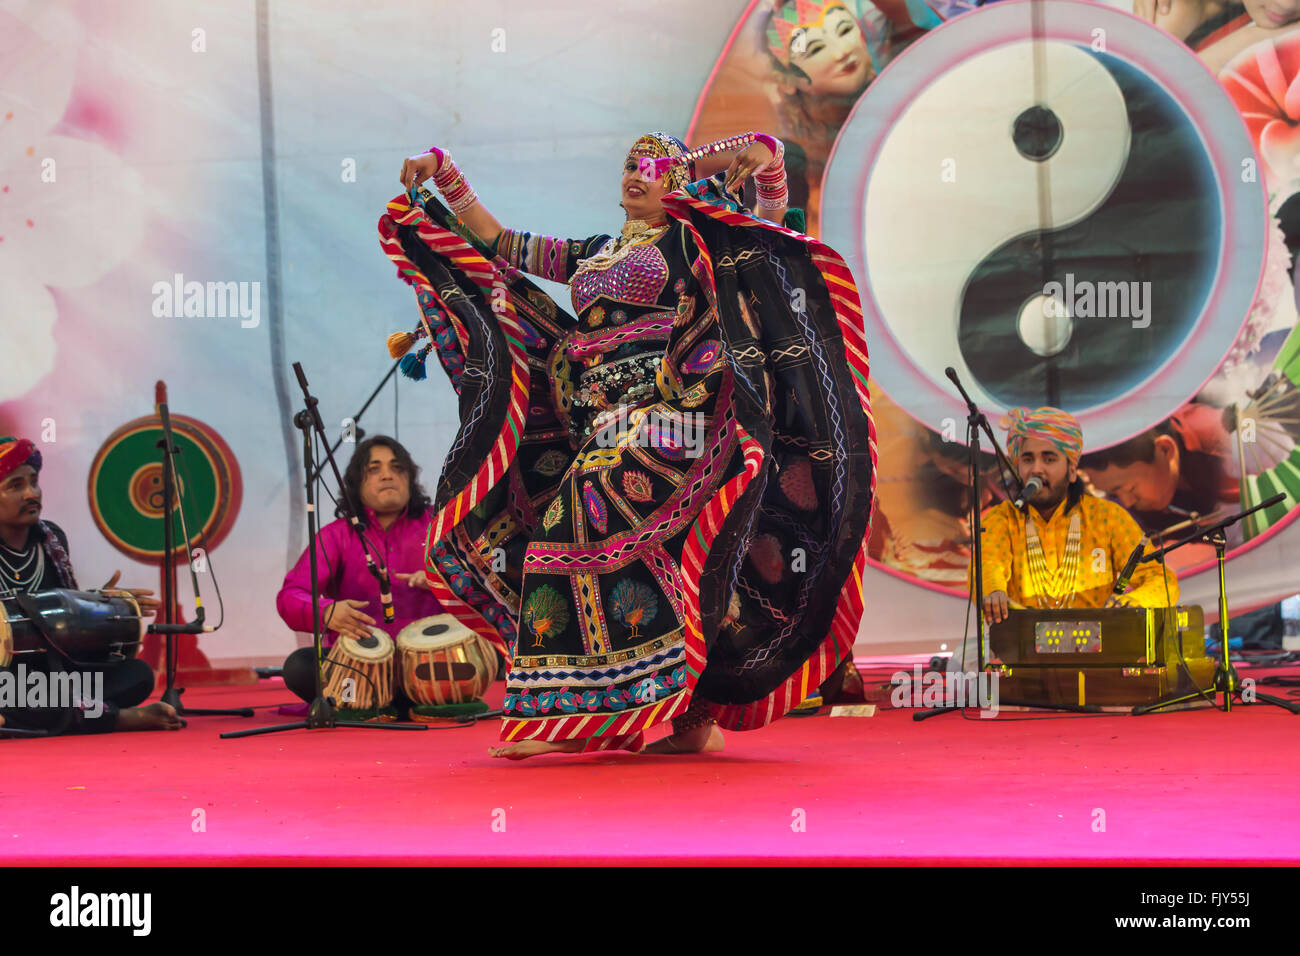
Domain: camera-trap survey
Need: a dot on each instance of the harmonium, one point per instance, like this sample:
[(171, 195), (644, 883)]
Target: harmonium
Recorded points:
[(1109, 657)]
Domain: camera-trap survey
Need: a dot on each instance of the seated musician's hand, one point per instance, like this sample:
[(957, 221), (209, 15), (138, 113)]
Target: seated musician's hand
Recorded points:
[(142, 596), (1118, 600), (416, 579), (346, 617), (996, 606)]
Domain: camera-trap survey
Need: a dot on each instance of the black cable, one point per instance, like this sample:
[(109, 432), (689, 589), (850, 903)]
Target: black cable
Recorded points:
[(203, 543), (1182, 655), (374, 689)]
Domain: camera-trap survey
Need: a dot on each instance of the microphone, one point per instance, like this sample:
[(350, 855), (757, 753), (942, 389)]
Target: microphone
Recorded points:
[(386, 596), (1121, 582), (380, 573), (1030, 488)]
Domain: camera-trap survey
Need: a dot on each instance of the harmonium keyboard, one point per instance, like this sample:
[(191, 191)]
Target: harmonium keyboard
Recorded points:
[(1110, 657)]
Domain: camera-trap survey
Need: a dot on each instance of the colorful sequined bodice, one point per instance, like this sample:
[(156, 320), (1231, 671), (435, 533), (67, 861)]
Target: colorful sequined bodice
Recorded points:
[(625, 308), (636, 279)]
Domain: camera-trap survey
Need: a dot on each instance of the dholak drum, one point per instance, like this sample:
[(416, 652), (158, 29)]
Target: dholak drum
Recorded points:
[(90, 629), (444, 662), (359, 672)]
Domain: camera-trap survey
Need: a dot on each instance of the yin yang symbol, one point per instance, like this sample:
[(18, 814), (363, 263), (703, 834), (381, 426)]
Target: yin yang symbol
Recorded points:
[(1064, 210)]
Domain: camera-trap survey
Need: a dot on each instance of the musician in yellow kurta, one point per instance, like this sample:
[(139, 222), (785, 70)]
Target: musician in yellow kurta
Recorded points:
[(1067, 547)]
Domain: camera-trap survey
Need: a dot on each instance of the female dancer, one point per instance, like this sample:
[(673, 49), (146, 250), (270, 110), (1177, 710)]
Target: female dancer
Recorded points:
[(660, 505)]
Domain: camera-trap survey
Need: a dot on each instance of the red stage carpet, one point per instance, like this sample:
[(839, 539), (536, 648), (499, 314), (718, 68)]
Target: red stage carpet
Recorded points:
[(1185, 787)]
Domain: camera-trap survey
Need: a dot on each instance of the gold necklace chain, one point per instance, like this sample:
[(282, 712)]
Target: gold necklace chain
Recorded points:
[(1053, 593), (636, 232)]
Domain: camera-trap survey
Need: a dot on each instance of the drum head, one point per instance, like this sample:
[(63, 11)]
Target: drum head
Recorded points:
[(381, 651), (431, 633)]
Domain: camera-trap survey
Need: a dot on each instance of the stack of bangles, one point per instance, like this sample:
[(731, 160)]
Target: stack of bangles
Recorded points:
[(451, 183), (770, 180)]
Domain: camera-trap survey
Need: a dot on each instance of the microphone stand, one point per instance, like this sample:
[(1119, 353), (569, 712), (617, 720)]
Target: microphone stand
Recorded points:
[(1225, 674), (321, 713), (169, 628), (975, 423)]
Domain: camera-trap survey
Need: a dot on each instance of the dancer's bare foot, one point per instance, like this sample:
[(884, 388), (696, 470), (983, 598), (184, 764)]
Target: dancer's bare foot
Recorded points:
[(531, 748), (698, 740), (157, 716)]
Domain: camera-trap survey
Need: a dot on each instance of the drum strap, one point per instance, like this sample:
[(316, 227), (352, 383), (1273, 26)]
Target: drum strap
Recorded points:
[(59, 555)]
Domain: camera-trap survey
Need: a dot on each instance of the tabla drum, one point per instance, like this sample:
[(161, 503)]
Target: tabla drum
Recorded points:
[(359, 671), (444, 662), (89, 629)]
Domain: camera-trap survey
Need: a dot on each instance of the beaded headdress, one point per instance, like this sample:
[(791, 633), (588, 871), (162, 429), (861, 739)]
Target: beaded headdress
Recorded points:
[(792, 19), (662, 146)]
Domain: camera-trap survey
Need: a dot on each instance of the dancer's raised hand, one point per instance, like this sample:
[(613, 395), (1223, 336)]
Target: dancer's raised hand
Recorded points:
[(416, 169)]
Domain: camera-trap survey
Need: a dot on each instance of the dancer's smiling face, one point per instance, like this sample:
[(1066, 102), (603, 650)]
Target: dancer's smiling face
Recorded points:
[(642, 197)]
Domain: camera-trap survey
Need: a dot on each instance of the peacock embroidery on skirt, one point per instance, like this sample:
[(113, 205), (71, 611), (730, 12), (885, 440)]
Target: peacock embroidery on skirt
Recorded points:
[(633, 604), (545, 613)]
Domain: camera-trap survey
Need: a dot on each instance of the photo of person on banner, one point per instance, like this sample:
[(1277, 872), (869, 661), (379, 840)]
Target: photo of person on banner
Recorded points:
[(1217, 30), (799, 67)]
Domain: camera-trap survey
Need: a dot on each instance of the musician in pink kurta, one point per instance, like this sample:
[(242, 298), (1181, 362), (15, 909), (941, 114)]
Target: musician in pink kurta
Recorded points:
[(341, 568), (395, 516)]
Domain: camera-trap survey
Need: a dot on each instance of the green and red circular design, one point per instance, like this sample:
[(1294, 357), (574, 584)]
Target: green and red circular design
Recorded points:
[(126, 488)]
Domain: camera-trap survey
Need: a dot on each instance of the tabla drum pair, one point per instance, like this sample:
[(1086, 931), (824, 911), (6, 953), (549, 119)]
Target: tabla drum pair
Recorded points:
[(436, 660)]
